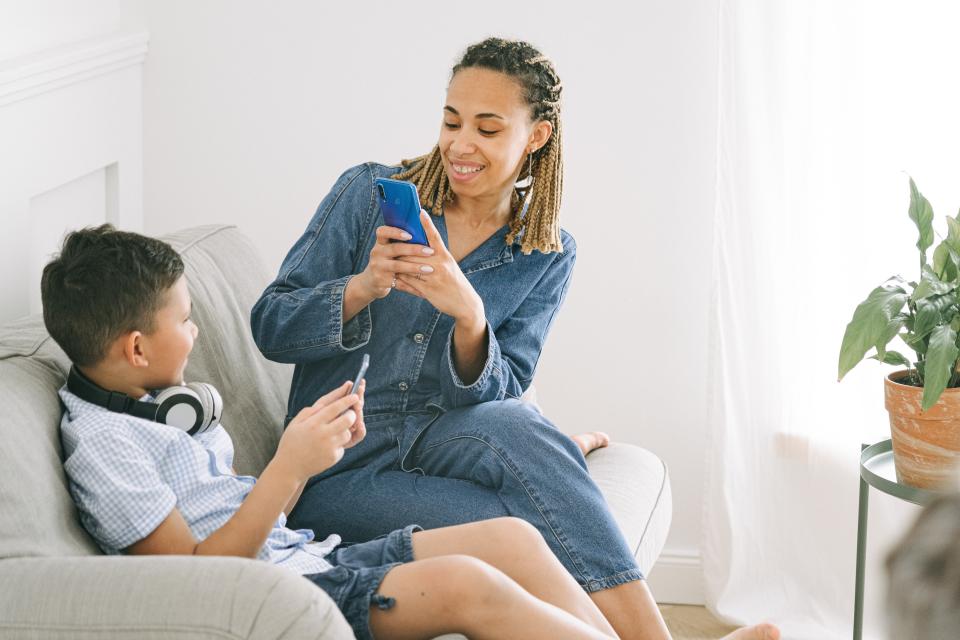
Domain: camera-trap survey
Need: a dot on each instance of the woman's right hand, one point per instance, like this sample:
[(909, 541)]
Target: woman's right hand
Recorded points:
[(378, 278), (315, 439)]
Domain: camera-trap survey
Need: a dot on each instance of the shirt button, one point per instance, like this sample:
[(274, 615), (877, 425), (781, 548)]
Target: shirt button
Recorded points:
[(418, 338), (403, 386)]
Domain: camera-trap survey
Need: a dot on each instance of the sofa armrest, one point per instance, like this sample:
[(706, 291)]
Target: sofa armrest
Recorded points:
[(636, 485), (154, 597)]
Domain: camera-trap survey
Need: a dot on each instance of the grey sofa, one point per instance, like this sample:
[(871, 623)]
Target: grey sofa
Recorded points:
[(55, 583)]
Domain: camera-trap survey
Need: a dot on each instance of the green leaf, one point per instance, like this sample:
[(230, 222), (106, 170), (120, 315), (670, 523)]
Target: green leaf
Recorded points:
[(941, 361), (953, 232), (869, 324), (889, 333), (931, 285), (933, 311), (922, 215), (946, 262), (917, 343), (893, 357)]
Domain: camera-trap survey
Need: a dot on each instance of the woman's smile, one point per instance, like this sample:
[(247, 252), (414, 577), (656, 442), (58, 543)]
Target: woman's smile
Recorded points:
[(462, 171)]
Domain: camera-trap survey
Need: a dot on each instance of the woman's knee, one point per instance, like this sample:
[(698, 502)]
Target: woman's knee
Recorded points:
[(516, 425)]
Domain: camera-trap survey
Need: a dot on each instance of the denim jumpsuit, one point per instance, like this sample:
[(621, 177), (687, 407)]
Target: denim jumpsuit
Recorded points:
[(438, 451)]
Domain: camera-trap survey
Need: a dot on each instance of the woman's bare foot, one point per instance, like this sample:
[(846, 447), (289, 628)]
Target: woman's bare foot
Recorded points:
[(763, 631), (590, 441)]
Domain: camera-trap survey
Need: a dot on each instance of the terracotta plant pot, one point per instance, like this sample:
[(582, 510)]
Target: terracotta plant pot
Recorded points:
[(926, 444)]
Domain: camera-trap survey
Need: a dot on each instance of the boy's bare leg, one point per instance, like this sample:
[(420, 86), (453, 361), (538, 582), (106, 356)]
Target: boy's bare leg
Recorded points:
[(461, 594), (517, 549), (634, 614)]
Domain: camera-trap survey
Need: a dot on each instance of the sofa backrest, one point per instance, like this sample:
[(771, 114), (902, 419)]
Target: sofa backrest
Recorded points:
[(225, 276)]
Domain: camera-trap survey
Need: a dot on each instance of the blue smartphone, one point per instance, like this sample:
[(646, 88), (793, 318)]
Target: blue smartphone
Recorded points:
[(400, 206)]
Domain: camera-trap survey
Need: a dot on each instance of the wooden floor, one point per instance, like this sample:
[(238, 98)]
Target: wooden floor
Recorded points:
[(692, 623)]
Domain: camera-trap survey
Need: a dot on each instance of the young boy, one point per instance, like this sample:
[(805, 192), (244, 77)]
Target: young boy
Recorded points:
[(118, 305)]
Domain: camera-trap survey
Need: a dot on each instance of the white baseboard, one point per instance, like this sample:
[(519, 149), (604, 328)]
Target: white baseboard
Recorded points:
[(677, 578)]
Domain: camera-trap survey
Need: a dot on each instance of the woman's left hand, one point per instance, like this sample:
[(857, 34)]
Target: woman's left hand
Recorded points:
[(446, 288)]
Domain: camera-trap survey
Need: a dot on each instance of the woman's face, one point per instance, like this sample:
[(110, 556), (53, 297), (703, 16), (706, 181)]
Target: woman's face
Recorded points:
[(486, 133)]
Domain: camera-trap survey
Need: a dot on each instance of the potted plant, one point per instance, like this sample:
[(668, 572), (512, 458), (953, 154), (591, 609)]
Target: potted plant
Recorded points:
[(923, 400)]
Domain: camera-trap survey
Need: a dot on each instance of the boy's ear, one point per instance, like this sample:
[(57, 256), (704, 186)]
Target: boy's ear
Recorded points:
[(132, 344)]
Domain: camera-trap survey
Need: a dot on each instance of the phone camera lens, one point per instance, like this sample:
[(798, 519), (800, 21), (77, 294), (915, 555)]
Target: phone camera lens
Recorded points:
[(383, 195)]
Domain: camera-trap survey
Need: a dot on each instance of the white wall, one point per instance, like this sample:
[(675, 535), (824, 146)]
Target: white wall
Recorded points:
[(252, 109), (28, 26), (70, 131)]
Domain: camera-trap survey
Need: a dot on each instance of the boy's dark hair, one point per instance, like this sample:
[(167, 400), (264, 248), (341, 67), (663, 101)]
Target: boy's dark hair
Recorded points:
[(105, 283)]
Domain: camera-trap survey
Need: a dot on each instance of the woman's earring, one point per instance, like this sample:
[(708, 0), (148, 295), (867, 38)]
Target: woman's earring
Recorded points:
[(528, 188)]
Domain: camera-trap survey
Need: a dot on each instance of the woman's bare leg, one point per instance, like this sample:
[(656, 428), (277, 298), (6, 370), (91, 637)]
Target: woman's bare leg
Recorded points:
[(516, 548), (634, 614), (460, 594)]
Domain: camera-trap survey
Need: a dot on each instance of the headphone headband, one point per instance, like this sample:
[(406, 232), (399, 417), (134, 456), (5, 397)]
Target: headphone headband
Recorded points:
[(195, 408)]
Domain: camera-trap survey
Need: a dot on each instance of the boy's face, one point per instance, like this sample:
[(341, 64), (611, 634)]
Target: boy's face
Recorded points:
[(168, 346)]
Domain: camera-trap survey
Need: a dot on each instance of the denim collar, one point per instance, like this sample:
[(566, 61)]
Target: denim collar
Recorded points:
[(492, 252)]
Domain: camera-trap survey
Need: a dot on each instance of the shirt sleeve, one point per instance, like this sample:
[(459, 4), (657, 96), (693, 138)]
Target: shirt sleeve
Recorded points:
[(299, 317), (118, 489), (514, 348)]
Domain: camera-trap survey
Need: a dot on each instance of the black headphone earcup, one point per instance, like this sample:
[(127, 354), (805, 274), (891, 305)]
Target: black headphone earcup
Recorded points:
[(210, 401)]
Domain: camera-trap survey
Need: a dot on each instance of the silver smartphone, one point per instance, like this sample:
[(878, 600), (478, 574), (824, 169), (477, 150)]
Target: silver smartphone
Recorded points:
[(360, 374)]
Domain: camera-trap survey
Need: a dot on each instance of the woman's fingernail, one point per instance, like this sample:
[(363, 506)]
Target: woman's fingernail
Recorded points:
[(428, 251), (426, 268), (405, 236)]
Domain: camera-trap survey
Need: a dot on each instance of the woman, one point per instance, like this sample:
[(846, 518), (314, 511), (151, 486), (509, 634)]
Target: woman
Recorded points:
[(454, 331)]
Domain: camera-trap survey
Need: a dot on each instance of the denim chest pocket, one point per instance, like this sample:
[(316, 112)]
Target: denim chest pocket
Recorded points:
[(501, 302)]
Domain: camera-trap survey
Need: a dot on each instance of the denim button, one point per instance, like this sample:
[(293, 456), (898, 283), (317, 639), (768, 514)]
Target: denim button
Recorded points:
[(418, 338), (403, 386)]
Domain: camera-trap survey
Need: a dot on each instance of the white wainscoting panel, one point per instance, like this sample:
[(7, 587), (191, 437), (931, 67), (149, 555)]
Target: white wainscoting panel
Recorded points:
[(86, 200), (677, 578), (71, 153)]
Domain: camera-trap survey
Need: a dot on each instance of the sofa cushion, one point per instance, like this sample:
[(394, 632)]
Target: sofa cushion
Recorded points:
[(37, 516)]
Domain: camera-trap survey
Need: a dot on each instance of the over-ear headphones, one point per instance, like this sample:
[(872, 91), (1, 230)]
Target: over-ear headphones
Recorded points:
[(194, 408)]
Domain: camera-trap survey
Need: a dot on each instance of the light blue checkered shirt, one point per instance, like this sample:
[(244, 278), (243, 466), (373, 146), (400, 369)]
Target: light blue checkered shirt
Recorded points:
[(127, 474)]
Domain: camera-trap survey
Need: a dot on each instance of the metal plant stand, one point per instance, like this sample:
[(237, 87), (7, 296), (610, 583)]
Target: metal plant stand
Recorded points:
[(877, 471)]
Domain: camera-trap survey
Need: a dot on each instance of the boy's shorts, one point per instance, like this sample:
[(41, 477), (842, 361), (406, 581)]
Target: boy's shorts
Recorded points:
[(358, 569)]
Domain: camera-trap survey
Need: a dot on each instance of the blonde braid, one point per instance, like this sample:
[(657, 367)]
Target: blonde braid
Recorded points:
[(427, 175), (539, 226)]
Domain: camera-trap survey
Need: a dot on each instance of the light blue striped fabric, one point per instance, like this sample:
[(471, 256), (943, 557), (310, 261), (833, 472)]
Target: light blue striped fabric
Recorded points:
[(127, 474)]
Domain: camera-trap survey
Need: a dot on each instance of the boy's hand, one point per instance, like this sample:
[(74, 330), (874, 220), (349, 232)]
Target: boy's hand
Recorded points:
[(314, 440)]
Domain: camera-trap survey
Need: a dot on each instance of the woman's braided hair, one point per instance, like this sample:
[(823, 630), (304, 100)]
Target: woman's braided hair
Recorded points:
[(539, 227)]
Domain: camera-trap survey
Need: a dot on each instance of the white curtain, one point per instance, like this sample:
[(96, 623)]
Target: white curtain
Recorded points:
[(825, 106)]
